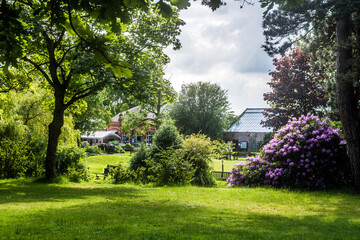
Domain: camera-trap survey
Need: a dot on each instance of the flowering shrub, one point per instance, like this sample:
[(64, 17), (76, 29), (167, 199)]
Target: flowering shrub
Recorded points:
[(305, 153)]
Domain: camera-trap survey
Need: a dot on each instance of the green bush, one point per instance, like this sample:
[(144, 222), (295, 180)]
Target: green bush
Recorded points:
[(78, 173), (37, 153), (198, 151), (119, 149), (114, 142), (170, 168), (167, 136), (120, 174), (138, 160), (204, 178), (69, 157), (128, 147), (13, 150), (93, 150)]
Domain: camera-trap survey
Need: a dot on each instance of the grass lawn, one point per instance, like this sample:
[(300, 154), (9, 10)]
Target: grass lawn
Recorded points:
[(228, 164), (97, 163), (104, 211)]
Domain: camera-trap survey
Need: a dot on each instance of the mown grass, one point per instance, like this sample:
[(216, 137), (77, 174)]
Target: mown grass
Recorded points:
[(104, 211), (97, 163)]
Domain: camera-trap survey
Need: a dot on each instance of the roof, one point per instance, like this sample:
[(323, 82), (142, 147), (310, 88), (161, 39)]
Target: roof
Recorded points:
[(99, 134), (149, 116), (250, 121)]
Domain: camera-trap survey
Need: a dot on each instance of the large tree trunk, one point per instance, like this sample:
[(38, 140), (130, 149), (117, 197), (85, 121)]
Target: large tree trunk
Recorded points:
[(346, 94), (54, 134)]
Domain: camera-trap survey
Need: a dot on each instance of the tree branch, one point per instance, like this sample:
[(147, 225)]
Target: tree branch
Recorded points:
[(46, 76)]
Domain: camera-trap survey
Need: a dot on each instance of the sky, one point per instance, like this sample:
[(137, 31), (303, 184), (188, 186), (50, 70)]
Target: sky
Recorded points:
[(223, 47)]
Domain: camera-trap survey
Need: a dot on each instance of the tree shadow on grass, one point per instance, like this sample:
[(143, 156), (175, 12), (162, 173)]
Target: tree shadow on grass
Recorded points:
[(126, 213), (20, 191), (146, 219)]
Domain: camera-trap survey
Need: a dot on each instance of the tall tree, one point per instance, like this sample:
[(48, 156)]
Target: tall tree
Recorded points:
[(296, 89), (339, 21), (78, 47), (202, 107)]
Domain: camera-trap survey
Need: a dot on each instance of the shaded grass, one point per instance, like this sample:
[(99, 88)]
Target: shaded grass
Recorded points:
[(92, 211)]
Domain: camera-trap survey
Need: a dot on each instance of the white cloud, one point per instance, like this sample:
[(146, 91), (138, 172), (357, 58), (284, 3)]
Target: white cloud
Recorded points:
[(223, 47)]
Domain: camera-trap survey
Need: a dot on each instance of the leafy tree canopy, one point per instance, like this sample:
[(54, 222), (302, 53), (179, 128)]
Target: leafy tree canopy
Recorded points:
[(78, 47), (202, 107), (296, 89)]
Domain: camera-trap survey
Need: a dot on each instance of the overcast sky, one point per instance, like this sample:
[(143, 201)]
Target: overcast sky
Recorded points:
[(223, 47)]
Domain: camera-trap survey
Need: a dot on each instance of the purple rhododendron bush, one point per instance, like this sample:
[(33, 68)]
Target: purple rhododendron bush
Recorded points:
[(306, 153)]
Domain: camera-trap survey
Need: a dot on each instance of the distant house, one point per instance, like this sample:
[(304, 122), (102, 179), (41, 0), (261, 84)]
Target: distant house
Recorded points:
[(114, 131), (248, 131), (133, 138), (99, 137)]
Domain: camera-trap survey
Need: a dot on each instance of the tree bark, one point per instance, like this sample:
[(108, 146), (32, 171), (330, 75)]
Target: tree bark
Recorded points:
[(346, 94), (54, 134)]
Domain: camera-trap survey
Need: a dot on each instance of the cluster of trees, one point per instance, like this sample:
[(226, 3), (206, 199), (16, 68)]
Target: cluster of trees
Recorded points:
[(330, 30), (94, 54), (74, 49)]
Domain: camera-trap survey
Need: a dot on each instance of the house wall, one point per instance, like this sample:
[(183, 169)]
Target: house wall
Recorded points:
[(237, 137)]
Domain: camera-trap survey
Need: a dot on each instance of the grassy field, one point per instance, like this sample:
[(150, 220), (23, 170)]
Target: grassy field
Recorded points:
[(105, 211), (97, 163), (101, 210)]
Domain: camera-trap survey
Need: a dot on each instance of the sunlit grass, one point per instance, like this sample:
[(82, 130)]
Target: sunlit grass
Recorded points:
[(92, 211), (97, 163)]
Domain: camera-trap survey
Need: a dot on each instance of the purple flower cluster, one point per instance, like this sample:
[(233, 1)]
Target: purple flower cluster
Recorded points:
[(305, 153), (248, 173)]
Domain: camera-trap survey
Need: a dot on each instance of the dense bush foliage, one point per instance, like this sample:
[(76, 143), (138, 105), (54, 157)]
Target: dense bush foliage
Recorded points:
[(70, 161), (120, 174), (119, 149), (306, 153), (22, 151), (170, 168), (138, 160), (92, 150), (167, 136), (198, 150), (178, 164)]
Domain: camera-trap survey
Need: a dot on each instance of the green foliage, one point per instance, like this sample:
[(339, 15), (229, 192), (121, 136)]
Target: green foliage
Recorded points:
[(128, 147), (75, 56), (120, 174), (170, 168), (198, 151), (119, 149), (204, 178), (69, 156), (13, 149), (22, 151), (166, 136), (93, 150), (202, 107), (138, 160), (78, 173)]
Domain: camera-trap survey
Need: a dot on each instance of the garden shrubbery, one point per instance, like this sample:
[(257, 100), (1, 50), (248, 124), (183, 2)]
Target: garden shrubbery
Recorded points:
[(172, 160), (306, 153), (70, 162), (22, 151)]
